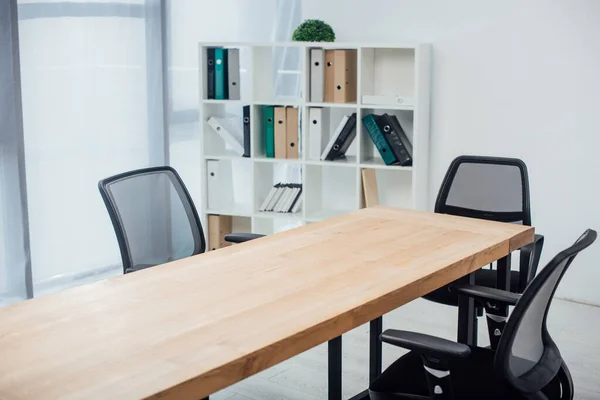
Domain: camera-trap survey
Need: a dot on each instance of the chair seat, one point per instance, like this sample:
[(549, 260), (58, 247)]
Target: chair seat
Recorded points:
[(473, 378), (483, 277)]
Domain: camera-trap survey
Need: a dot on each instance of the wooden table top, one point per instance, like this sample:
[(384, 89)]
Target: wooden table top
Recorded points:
[(186, 329)]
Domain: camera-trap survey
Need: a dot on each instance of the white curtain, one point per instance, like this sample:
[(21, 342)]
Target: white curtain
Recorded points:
[(15, 279), (85, 68)]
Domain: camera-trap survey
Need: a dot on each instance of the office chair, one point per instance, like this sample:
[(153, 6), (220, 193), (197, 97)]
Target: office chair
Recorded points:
[(526, 365), (154, 218), (497, 189)]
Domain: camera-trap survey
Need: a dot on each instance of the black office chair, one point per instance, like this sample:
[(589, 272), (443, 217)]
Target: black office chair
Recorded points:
[(497, 189), (154, 218), (526, 365)]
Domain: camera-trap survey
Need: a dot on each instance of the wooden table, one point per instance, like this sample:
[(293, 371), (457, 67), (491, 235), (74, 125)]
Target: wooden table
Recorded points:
[(189, 328)]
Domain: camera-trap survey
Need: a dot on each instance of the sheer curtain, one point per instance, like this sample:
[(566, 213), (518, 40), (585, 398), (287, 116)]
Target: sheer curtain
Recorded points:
[(86, 71), (15, 278)]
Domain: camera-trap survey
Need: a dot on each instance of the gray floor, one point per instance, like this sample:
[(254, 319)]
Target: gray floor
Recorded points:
[(573, 326)]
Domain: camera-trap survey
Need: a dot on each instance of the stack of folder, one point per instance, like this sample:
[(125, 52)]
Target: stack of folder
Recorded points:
[(227, 129), (280, 127), (389, 139), (222, 73), (283, 198), (333, 76)]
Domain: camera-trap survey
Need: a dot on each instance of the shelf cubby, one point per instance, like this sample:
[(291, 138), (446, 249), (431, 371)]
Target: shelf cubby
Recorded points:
[(330, 191), (266, 175), (276, 66), (331, 119), (231, 115), (227, 192), (388, 71), (246, 82)]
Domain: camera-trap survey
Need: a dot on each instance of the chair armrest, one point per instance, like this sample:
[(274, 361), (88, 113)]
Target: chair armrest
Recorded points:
[(487, 294), (529, 261), (241, 237), (426, 345)]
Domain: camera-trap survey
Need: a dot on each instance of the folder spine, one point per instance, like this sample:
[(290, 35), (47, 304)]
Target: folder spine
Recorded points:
[(246, 127), (268, 115), (221, 87), (379, 140), (233, 73), (385, 124), (210, 73), (329, 76), (292, 132), (317, 79), (344, 139), (280, 132)]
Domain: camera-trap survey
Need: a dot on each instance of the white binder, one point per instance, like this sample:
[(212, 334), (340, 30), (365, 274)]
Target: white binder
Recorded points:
[(233, 73), (334, 137), (220, 127), (317, 77), (214, 191), (318, 124)]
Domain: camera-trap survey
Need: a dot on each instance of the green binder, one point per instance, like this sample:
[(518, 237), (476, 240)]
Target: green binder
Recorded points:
[(220, 71), (379, 140), (269, 124)]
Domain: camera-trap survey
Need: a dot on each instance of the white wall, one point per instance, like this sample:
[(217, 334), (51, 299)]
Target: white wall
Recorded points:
[(510, 78)]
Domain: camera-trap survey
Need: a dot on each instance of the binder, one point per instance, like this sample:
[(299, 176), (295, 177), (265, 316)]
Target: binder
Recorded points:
[(246, 130), (268, 117), (329, 76), (218, 227), (298, 204), (318, 123), (403, 136), (317, 78), (386, 124), (233, 73), (221, 87), (280, 133), (214, 190), (292, 132), (343, 140), (369, 184), (344, 76), (334, 137), (379, 140), (220, 128), (210, 73)]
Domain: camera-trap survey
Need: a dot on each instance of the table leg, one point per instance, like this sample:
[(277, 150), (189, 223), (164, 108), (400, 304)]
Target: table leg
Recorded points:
[(375, 348), (503, 275), (334, 366), (467, 319)]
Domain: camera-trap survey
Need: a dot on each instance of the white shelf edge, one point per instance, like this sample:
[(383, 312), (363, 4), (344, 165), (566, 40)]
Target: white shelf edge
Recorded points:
[(273, 215), (224, 157), (332, 105), (325, 45), (386, 107), (275, 102), (213, 101), (277, 160), (234, 213), (383, 166)]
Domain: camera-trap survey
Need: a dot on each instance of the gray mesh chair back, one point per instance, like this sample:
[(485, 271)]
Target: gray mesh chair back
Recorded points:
[(153, 216), (527, 356), (491, 188)]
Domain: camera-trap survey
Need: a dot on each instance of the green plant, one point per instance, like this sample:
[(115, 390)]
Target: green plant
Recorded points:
[(313, 30)]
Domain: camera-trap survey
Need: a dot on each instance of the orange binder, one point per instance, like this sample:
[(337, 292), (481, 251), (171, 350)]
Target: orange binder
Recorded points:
[(292, 132), (344, 76), (218, 227), (329, 76), (280, 135)]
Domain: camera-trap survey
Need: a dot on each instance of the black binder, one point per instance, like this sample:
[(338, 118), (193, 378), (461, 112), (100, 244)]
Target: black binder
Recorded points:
[(226, 74), (403, 136), (344, 140), (210, 73), (246, 124), (386, 125)]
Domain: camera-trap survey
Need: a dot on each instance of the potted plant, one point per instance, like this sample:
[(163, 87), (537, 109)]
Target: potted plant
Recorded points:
[(313, 30)]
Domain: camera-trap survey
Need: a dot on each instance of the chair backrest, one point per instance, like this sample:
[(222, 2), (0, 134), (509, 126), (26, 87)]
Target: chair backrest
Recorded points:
[(493, 188), (527, 357), (153, 215)]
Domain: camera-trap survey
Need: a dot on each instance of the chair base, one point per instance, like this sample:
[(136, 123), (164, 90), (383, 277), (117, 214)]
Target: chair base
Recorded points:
[(473, 378)]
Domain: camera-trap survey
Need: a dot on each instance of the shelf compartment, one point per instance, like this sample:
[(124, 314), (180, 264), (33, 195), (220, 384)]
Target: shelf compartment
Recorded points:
[(276, 78), (231, 115), (330, 191), (229, 186), (270, 226), (394, 187), (266, 175), (369, 155), (330, 119), (245, 80), (388, 72), (258, 133)]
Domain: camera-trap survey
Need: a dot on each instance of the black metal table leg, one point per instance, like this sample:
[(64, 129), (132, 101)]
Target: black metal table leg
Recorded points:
[(334, 367), (503, 273), (375, 348), (467, 319)]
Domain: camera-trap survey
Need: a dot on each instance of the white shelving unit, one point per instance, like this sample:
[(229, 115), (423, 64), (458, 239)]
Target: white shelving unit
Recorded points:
[(330, 188)]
